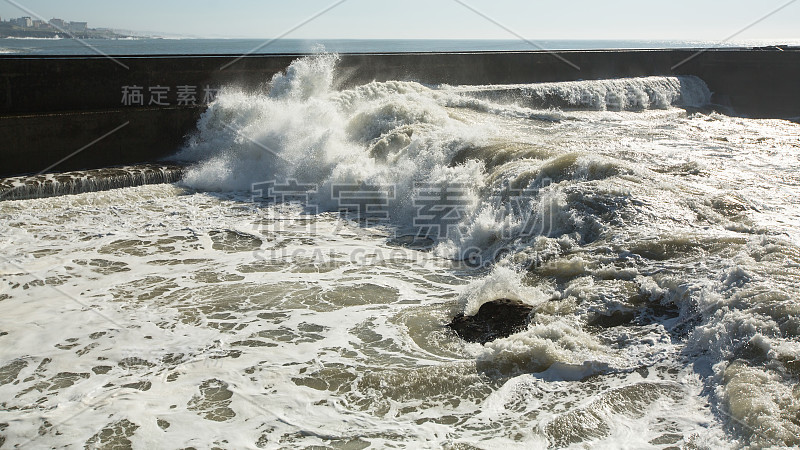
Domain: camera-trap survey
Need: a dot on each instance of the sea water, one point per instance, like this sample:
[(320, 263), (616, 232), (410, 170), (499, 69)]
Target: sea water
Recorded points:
[(190, 46), (261, 303)]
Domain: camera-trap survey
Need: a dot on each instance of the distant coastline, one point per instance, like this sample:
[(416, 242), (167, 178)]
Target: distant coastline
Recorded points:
[(9, 30)]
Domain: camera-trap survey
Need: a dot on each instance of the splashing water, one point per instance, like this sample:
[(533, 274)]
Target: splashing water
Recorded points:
[(657, 247)]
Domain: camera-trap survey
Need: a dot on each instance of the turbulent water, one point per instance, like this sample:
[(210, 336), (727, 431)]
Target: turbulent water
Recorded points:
[(292, 289), (79, 182)]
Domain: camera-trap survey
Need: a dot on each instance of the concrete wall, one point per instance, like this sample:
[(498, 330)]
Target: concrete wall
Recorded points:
[(32, 143), (50, 107)]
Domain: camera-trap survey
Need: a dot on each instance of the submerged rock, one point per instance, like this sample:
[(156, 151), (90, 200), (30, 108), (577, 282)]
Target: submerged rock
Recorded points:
[(615, 319), (496, 319)]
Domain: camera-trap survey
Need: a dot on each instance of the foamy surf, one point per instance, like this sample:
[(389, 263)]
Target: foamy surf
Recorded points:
[(661, 277), (633, 94)]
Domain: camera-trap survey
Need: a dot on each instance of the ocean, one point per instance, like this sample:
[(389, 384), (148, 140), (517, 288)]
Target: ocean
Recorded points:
[(150, 46), (293, 288)]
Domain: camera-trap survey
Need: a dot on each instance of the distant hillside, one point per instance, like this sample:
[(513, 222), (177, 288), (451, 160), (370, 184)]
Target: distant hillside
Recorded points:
[(9, 30)]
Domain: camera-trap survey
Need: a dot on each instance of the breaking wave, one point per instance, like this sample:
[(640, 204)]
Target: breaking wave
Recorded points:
[(621, 256)]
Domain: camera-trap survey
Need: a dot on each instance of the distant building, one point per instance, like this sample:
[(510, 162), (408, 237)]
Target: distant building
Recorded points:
[(25, 22), (78, 26), (58, 23)]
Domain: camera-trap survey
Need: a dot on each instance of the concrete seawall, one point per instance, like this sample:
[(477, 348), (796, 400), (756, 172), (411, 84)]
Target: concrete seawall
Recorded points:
[(138, 109)]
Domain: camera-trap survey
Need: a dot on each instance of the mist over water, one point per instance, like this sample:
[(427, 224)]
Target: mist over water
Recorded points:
[(655, 240)]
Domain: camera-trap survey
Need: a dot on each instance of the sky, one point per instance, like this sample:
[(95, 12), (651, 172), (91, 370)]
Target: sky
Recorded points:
[(713, 20)]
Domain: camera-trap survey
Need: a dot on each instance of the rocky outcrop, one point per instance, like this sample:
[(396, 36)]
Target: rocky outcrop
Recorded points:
[(494, 320)]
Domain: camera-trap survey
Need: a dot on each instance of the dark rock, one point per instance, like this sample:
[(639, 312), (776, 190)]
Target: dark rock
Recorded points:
[(617, 318), (495, 319)]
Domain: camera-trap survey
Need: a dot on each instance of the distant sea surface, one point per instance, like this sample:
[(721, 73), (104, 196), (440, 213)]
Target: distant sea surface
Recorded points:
[(267, 46)]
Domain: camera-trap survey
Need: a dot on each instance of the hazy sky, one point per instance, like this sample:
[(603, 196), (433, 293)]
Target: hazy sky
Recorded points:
[(431, 19)]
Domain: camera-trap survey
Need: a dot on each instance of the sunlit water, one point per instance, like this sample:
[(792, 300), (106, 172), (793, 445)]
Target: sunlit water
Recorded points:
[(178, 46), (202, 315)]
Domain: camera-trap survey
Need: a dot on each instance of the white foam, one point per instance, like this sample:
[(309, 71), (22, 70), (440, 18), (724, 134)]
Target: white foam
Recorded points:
[(503, 282), (632, 94), (300, 330)]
